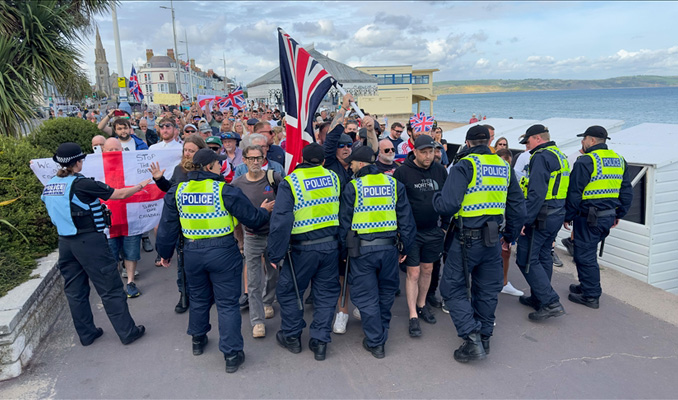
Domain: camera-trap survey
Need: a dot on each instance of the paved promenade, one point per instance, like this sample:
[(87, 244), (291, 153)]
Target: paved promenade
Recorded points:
[(626, 349)]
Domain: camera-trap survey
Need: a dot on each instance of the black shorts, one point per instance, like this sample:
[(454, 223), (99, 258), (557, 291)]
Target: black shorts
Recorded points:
[(427, 248)]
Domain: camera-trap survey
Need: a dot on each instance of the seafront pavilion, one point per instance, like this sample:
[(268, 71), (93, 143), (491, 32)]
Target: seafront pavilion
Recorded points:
[(626, 349)]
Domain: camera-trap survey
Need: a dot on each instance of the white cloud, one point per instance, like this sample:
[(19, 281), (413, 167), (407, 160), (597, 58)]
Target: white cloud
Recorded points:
[(482, 63)]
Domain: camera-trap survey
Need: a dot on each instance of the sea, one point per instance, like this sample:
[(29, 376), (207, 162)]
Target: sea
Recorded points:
[(634, 105)]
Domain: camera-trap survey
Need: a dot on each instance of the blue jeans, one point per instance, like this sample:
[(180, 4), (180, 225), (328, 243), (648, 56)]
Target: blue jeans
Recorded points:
[(129, 246)]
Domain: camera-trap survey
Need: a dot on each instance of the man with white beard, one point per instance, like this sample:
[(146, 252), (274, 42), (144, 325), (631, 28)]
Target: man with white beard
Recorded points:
[(385, 162)]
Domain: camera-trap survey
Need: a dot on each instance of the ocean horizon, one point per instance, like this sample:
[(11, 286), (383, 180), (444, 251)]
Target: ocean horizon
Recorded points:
[(632, 105)]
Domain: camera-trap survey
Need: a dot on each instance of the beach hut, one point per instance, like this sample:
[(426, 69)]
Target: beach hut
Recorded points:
[(645, 243)]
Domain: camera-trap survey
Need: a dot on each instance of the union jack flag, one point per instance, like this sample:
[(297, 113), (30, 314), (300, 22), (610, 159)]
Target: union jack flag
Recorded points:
[(421, 123), (304, 84), (134, 87), (234, 100)]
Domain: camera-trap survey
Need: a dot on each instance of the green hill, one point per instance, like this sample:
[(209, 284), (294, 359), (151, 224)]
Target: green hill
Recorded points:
[(522, 85)]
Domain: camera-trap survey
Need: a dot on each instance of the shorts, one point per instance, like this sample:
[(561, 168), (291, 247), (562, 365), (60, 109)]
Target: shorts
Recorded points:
[(427, 247), (128, 245)]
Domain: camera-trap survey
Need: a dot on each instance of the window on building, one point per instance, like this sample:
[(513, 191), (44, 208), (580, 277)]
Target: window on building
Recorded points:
[(162, 77), (420, 79), (638, 205), (393, 79)]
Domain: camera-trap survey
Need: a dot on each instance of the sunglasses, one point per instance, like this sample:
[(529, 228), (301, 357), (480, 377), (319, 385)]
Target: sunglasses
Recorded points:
[(168, 126), (342, 145), (269, 132), (259, 159), (189, 131), (389, 150), (215, 148), (398, 131), (501, 144)]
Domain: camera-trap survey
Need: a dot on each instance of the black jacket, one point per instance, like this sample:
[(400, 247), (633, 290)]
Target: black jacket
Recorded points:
[(421, 185), (331, 162)]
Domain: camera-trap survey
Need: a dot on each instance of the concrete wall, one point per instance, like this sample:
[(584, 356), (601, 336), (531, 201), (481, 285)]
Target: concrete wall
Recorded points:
[(27, 313)]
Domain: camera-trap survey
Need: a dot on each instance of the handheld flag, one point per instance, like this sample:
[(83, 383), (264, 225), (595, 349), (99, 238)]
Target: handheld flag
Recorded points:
[(134, 87), (235, 100), (421, 123), (304, 84)]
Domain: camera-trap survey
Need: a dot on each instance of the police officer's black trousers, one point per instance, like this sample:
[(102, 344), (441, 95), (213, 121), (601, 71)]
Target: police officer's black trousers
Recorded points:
[(487, 276), (373, 278), (586, 239), (541, 265), (86, 257), (214, 275), (318, 267)]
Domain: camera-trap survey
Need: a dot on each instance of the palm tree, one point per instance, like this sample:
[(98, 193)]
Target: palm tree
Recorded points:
[(39, 43)]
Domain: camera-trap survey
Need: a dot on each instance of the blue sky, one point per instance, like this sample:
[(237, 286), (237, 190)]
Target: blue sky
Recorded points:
[(465, 40)]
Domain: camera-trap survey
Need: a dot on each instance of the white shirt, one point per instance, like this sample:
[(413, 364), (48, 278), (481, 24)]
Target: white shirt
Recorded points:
[(129, 145), (520, 167), (166, 145)]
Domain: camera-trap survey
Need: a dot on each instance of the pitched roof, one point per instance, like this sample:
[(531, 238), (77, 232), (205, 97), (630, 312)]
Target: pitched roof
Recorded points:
[(342, 72)]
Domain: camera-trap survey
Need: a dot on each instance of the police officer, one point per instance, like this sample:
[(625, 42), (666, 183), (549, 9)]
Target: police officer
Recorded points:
[(203, 210), (599, 195), (73, 204), (374, 212), (305, 218), (481, 192), (547, 181)]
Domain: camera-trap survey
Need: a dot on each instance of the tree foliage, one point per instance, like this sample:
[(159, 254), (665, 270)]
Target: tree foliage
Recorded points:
[(39, 43)]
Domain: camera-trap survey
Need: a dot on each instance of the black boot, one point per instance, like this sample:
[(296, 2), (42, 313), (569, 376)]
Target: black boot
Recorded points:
[(377, 351), (182, 305), (140, 332), (471, 349), (590, 302), (552, 310), (576, 289), (529, 301), (318, 347), (433, 301), (293, 344), (425, 314), (96, 336), (234, 360), (199, 343), (486, 343)]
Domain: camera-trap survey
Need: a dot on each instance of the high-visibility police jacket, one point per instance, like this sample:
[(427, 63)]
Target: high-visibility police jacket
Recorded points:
[(559, 179), (316, 198), (487, 192), (375, 204), (59, 200), (202, 213), (607, 175)]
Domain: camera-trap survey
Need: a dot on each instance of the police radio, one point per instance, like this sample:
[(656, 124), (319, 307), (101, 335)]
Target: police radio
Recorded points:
[(106, 213)]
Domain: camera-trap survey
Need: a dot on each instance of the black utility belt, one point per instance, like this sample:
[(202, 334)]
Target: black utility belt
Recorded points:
[(470, 233), (488, 233), (378, 242), (314, 241), (598, 213)]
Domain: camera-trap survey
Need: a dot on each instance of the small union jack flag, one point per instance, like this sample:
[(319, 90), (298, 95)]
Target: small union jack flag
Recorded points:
[(421, 123), (234, 100), (134, 88)]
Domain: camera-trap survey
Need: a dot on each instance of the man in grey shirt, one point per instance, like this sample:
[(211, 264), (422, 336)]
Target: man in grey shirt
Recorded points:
[(262, 277)]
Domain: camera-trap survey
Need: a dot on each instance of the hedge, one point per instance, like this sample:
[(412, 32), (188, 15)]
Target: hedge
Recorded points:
[(28, 214)]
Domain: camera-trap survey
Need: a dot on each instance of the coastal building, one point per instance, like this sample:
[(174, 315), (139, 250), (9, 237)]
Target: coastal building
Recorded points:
[(267, 89), (159, 75), (400, 87)]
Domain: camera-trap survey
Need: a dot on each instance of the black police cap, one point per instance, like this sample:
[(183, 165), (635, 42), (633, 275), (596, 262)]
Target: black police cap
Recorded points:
[(204, 157), (477, 132), (532, 131), (363, 154), (595, 131), (313, 153), (68, 153)]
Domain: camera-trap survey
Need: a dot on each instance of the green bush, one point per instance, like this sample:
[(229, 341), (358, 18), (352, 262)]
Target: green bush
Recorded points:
[(27, 214), (55, 131)]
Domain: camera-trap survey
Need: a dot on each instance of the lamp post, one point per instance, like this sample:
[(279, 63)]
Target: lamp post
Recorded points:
[(225, 78), (122, 97), (176, 49), (190, 72)]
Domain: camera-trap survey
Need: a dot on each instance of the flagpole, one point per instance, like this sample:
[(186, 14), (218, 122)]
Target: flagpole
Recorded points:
[(353, 104)]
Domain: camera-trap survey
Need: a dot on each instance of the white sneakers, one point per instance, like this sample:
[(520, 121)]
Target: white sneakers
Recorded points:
[(356, 313), (340, 323), (510, 290)]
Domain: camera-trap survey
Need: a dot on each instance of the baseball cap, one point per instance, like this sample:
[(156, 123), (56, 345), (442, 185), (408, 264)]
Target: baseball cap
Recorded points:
[(190, 125), (313, 153), (230, 135), (424, 142), (345, 139), (205, 128), (533, 130), (252, 121), (363, 153), (204, 157), (213, 140), (477, 132), (595, 131)]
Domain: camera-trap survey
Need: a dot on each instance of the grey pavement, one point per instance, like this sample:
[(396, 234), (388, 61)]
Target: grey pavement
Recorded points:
[(626, 349)]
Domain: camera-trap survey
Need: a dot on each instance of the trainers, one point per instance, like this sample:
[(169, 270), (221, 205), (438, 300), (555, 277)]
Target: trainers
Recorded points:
[(510, 290), (146, 244), (340, 323), (259, 331), (547, 311), (414, 328), (269, 312), (356, 314), (244, 301), (426, 315), (445, 308), (132, 290), (569, 245), (433, 301), (556, 260)]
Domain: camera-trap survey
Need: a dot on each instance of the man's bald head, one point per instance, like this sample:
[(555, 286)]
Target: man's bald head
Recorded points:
[(112, 144), (98, 140)]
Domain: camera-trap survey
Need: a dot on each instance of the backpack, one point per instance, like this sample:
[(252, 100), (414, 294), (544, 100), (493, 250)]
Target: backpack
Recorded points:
[(271, 181)]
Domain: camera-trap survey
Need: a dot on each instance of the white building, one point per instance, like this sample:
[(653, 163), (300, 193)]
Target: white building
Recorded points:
[(159, 75)]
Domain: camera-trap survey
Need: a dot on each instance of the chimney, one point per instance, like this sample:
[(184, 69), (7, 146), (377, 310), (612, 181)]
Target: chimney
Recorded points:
[(170, 54), (149, 54)]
